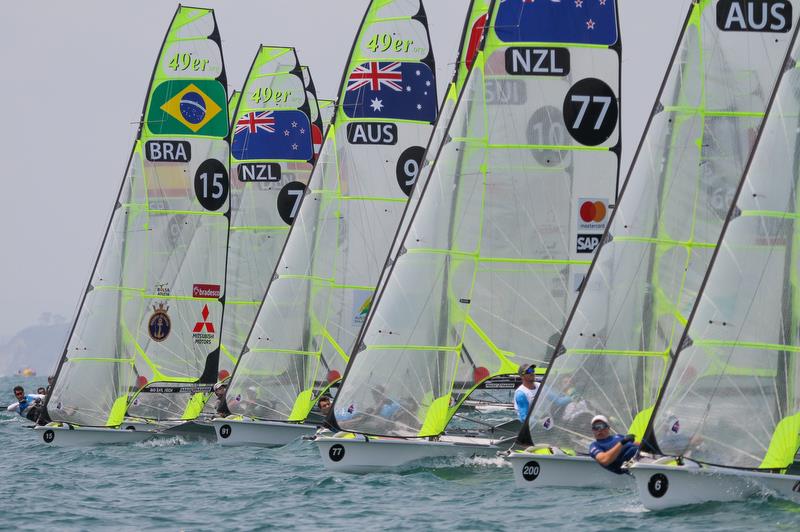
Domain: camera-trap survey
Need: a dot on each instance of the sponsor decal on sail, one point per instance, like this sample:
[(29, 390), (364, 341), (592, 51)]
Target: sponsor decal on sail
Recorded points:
[(362, 303), (592, 213), (159, 324), (211, 291), (201, 337)]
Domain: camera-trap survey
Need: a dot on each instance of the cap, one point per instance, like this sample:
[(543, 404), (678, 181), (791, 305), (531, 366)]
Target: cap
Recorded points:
[(524, 368), (600, 417), (219, 385)]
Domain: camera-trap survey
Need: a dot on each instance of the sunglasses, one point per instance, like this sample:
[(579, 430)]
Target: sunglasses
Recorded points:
[(599, 426)]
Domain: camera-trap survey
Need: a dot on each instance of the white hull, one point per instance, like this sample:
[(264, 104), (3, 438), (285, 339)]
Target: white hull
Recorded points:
[(66, 436), (666, 486), (560, 470), (238, 432), (345, 454)]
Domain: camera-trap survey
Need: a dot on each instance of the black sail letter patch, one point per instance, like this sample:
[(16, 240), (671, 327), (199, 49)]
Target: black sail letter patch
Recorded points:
[(168, 151), (767, 16), (372, 133), (537, 61)]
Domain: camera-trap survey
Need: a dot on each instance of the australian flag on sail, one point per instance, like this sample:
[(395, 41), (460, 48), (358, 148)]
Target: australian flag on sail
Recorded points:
[(557, 21), (403, 91), (272, 135)]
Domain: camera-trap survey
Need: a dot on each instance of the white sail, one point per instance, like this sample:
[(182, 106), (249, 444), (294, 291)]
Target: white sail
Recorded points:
[(732, 397), (323, 284), (141, 329), (486, 273), (269, 172), (635, 303)]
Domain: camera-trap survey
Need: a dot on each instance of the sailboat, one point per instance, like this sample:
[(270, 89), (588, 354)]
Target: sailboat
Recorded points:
[(322, 286), (634, 305), (487, 271), (727, 423), (269, 174), (144, 342)]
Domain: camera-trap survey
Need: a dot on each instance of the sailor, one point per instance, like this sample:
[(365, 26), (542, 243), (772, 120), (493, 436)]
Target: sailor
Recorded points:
[(524, 395), (29, 406), (325, 404), (611, 450), (220, 390)]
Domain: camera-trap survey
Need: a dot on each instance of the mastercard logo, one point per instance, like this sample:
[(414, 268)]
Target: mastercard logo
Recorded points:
[(593, 211)]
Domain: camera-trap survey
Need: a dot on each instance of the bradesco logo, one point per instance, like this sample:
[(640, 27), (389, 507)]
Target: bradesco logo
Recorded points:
[(592, 213), (210, 291)]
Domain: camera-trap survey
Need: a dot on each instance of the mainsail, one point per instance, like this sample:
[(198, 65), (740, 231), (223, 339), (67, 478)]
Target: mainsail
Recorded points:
[(142, 328), (487, 270), (327, 108), (233, 102), (632, 308), (273, 141), (323, 284), (732, 396)]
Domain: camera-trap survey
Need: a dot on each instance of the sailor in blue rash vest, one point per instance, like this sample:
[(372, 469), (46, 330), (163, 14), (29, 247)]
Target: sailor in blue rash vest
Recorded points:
[(28, 406), (611, 451), (524, 395)]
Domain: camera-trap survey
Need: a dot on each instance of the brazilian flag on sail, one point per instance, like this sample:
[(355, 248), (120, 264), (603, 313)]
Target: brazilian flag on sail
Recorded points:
[(188, 107)]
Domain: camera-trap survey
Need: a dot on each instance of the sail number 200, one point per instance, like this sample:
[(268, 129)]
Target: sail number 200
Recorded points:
[(384, 42), (185, 61)]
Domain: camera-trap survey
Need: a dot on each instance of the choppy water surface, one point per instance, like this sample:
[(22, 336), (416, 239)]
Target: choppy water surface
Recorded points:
[(180, 485)]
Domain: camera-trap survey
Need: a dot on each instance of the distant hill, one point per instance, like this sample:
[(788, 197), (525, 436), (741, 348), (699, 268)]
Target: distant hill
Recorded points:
[(38, 346)]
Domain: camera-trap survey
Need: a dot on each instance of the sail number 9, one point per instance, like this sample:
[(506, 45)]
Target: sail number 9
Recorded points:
[(408, 165), (385, 42), (590, 111), (211, 184), (185, 61)]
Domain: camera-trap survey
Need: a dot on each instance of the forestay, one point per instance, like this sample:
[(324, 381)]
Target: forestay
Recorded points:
[(273, 141), (490, 264), (323, 284), (633, 307), (732, 396), (152, 311)]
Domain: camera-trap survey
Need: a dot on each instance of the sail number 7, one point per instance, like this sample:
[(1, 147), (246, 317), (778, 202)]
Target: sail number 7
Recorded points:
[(590, 111)]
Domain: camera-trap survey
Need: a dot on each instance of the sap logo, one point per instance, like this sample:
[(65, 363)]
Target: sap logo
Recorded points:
[(172, 151), (771, 16), (249, 172), (588, 243), (371, 133), (537, 61)]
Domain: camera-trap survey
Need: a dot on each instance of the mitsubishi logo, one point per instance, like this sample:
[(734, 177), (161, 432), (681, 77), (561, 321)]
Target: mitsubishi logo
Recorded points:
[(200, 325)]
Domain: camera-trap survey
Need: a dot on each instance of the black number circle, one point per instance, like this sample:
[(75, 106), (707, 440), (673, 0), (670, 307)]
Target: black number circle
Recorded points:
[(408, 167), (289, 199), (336, 452), (211, 184), (531, 470), (590, 111), (225, 431), (49, 436), (546, 126), (658, 485), (130, 427)]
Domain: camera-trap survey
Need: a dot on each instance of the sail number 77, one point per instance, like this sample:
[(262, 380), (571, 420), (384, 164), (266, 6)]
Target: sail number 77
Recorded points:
[(590, 111)]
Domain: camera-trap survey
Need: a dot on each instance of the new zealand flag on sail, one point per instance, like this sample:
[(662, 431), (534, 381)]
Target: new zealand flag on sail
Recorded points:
[(404, 91), (272, 135), (557, 21)]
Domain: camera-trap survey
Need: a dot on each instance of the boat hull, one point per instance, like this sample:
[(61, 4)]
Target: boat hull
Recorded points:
[(66, 436), (533, 470), (344, 454), (241, 432), (664, 486)]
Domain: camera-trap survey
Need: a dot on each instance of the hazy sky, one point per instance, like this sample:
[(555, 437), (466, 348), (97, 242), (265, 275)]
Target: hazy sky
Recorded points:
[(73, 81)]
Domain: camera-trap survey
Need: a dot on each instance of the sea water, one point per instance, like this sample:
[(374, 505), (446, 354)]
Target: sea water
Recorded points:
[(175, 484)]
